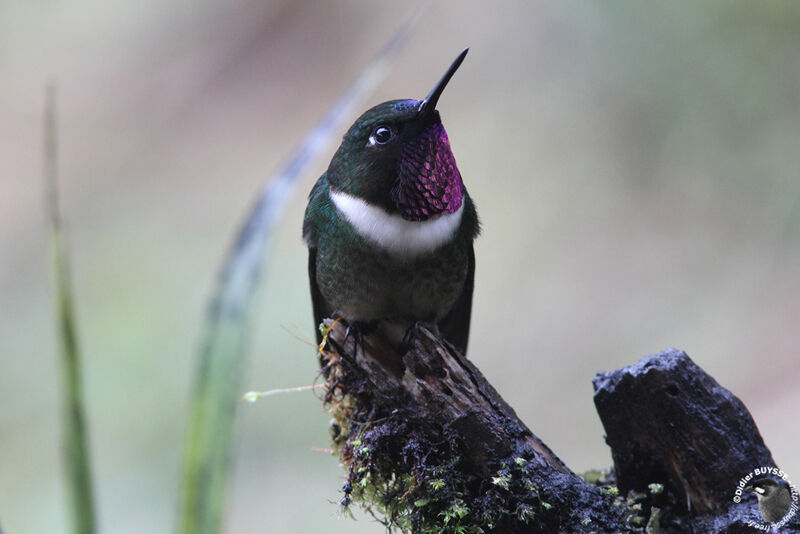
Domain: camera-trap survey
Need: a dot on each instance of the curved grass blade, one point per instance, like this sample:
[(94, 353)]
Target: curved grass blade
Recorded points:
[(217, 386), (75, 438)]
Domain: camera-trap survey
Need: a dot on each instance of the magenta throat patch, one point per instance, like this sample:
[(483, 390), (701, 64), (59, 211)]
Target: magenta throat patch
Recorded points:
[(429, 183)]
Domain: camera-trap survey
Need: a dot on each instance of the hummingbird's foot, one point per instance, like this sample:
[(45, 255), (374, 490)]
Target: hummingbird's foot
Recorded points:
[(411, 331), (355, 333), (356, 330)]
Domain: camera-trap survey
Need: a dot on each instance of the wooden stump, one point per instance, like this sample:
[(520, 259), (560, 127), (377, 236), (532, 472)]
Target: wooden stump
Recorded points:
[(430, 446)]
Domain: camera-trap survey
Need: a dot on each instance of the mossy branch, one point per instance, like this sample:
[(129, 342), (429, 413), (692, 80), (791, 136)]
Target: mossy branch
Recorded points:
[(430, 446)]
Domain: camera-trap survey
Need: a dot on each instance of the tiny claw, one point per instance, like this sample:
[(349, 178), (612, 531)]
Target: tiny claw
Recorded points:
[(411, 331), (358, 338), (408, 335)]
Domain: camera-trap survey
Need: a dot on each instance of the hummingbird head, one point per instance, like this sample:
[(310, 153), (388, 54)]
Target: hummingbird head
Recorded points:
[(397, 156)]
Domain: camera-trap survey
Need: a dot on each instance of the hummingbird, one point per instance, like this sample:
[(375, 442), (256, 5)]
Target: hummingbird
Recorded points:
[(390, 227)]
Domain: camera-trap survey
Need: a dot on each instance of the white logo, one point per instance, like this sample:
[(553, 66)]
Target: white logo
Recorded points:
[(777, 497)]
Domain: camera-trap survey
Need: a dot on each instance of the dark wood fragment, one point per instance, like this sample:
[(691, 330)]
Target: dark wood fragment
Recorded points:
[(667, 420)]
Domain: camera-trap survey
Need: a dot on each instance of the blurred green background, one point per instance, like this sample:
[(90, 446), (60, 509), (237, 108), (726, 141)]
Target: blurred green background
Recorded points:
[(635, 167)]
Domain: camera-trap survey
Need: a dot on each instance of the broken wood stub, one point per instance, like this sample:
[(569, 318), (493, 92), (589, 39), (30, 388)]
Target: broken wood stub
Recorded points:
[(668, 421)]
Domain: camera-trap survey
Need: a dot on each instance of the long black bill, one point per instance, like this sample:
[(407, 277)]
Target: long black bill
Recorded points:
[(429, 104)]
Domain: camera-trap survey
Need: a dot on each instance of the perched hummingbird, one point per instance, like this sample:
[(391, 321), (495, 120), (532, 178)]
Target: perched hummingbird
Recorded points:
[(389, 226)]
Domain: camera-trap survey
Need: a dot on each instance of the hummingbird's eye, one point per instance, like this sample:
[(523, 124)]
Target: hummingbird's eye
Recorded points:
[(380, 136)]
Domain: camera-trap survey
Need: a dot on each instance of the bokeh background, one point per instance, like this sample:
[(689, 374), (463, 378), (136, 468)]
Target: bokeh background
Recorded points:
[(635, 167)]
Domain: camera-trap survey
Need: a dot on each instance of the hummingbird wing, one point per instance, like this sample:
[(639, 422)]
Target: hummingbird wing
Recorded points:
[(322, 309), (455, 325), (320, 306)]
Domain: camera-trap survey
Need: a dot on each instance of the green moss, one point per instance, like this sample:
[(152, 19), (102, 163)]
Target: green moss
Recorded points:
[(640, 510), (414, 478), (502, 481), (436, 484)]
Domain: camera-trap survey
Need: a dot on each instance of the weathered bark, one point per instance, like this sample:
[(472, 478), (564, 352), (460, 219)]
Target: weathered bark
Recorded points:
[(667, 420), (430, 446)]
